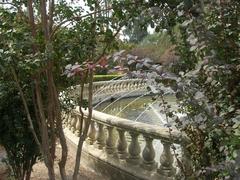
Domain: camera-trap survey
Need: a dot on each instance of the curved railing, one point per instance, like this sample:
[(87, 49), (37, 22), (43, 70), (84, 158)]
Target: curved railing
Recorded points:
[(103, 90), (110, 87), (120, 138)]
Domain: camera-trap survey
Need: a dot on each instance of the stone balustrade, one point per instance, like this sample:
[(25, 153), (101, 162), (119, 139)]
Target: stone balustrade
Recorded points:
[(109, 134), (106, 89), (120, 138)]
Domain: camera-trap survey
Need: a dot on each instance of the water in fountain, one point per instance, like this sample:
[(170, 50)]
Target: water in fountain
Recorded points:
[(122, 96), (101, 102), (147, 108), (136, 109), (132, 102), (143, 109), (158, 114)]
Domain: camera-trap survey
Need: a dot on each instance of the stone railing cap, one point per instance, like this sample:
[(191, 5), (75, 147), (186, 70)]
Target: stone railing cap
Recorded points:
[(154, 131)]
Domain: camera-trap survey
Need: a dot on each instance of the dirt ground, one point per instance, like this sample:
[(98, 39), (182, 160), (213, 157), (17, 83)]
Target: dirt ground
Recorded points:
[(3, 167), (40, 171)]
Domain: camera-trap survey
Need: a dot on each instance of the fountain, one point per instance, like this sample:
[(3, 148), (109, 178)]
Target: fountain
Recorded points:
[(140, 108), (130, 136)]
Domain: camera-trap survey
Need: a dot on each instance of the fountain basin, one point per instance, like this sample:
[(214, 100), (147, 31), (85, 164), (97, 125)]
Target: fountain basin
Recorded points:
[(122, 148)]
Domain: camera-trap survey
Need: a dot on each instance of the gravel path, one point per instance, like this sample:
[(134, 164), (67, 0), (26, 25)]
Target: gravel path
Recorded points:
[(40, 171)]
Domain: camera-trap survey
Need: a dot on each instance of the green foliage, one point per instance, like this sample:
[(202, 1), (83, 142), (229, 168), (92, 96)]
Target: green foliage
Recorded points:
[(136, 30), (207, 83), (207, 41), (209, 86), (156, 44), (15, 136), (39, 59)]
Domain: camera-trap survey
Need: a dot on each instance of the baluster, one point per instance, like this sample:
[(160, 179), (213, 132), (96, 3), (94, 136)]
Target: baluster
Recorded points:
[(70, 121), (100, 136), (134, 149), (121, 86), (114, 88), (110, 144), (110, 88), (118, 87), (94, 89), (131, 85), (125, 86), (92, 133), (73, 123), (166, 160), (83, 123), (143, 84), (148, 154), (122, 144), (135, 85), (77, 132)]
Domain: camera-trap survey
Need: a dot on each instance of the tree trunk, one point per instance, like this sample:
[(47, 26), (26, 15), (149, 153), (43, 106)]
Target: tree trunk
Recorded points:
[(88, 122), (60, 133), (45, 140)]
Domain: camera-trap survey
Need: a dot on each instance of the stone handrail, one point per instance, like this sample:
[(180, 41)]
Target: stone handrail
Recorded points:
[(156, 132), (101, 133), (101, 89), (108, 133), (118, 85)]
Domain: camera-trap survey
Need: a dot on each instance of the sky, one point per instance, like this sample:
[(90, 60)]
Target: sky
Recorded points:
[(81, 3)]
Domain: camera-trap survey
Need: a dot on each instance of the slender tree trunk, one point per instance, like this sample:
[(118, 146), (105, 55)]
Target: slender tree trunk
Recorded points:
[(51, 112), (48, 157), (49, 162), (31, 22), (60, 132), (51, 11), (31, 127), (88, 122), (28, 175)]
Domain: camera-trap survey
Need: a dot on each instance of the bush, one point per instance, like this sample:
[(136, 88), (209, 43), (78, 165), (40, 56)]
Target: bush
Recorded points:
[(15, 136), (153, 46)]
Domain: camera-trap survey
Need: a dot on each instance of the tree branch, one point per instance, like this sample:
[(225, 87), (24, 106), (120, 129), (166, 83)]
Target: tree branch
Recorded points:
[(76, 18), (31, 127), (44, 19), (51, 11), (31, 22), (108, 44)]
